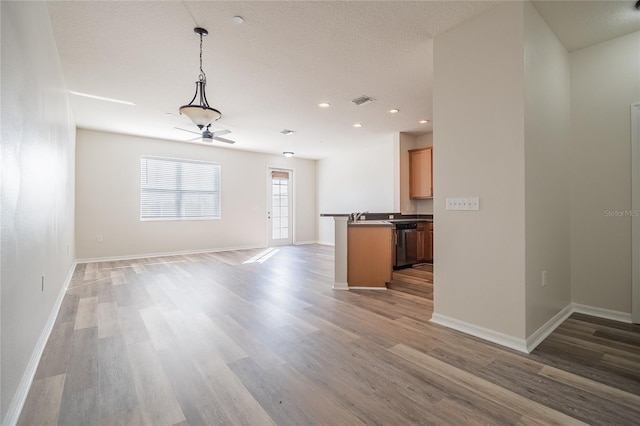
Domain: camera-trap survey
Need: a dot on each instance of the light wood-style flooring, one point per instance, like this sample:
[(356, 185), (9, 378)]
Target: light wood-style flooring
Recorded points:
[(258, 338)]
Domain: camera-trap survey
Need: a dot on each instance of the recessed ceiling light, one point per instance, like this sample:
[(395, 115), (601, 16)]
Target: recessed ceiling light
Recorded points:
[(100, 98), (394, 111), (288, 154), (357, 125), (238, 19), (423, 121), (287, 132), (324, 104)]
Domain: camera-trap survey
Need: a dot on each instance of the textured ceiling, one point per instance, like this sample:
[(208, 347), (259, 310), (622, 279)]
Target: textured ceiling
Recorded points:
[(268, 73), (579, 24)]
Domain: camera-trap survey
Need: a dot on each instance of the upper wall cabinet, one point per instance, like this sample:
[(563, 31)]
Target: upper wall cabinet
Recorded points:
[(421, 173)]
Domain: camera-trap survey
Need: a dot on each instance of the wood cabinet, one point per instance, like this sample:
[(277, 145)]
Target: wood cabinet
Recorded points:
[(430, 254), (421, 242), (370, 251), (425, 241), (421, 173)]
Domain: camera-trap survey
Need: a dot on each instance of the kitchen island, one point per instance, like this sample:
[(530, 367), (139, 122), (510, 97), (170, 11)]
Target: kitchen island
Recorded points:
[(370, 251), (365, 249)]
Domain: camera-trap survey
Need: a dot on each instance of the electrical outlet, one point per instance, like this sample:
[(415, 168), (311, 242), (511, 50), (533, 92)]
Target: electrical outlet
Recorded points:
[(363, 217), (544, 278), (391, 216), (99, 238)]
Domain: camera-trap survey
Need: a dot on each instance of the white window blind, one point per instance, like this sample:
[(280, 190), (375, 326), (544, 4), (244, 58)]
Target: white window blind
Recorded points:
[(179, 189)]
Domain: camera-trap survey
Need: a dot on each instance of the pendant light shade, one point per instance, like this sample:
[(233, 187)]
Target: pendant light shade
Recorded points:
[(200, 113)]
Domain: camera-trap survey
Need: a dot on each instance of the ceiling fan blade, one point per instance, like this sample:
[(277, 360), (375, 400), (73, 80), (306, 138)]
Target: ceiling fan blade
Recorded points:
[(221, 132), (190, 131), (216, 136), (219, 139)]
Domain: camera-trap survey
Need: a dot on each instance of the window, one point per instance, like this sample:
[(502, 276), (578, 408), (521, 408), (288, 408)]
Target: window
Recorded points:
[(179, 189)]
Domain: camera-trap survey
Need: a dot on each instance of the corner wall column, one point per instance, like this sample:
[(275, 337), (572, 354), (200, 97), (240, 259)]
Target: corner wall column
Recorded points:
[(340, 278)]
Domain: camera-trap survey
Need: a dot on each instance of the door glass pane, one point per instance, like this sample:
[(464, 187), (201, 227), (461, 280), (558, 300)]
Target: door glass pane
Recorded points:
[(280, 209)]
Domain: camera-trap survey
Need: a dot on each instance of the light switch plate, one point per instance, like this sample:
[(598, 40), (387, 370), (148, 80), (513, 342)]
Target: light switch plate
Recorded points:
[(470, 203)]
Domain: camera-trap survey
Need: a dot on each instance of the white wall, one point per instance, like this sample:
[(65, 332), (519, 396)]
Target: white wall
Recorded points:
[(361, 180), (108, 198), (478, 144), (37, 189), (424, 141), (547, 172), (604, 83)]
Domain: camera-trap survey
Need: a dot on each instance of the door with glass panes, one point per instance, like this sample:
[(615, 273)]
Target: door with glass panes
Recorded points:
[(281, 207)]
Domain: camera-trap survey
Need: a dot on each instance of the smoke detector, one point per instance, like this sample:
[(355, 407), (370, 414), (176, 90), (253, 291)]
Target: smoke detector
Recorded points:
[(364, 99)]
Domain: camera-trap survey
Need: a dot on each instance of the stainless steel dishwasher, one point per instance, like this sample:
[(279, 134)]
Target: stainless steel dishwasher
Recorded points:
[(406, 245)]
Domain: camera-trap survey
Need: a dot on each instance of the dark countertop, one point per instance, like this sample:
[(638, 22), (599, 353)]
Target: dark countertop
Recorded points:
[(391, 222), (371, 223), (382, 219), (397, 217)]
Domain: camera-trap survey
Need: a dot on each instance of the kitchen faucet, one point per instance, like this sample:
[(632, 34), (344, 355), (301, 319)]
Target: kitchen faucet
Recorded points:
[(356, 216)]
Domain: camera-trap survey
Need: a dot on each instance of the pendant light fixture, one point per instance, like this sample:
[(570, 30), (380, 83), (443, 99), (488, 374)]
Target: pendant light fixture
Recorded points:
[(200, 113)]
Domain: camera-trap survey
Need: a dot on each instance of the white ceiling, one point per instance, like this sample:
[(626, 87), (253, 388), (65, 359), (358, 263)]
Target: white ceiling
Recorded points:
[(270, 72), (579, 24)]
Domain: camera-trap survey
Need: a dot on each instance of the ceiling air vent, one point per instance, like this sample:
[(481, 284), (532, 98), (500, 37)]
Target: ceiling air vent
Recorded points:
[(362, 100)]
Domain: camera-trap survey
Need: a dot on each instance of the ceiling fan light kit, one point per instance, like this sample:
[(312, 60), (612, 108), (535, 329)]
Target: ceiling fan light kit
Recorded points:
[(207, 135), (201, 113)]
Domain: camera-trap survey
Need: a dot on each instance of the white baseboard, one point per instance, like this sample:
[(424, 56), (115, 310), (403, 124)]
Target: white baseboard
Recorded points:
[(367, 288), (543, 332), (326, 243), (304, 243), (340, 286), (601, 313), (481, 332), (528, 345), (164, 254), (20, 397)]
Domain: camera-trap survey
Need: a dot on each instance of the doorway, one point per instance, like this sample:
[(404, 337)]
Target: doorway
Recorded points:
[(635, 213), (280, 214)]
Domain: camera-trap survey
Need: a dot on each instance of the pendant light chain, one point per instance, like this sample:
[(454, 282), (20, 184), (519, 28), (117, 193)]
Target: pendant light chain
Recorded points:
[(198, 110), (203, 76)]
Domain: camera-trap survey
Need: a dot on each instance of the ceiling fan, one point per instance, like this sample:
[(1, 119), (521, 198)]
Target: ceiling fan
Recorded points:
[(209, 136)]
